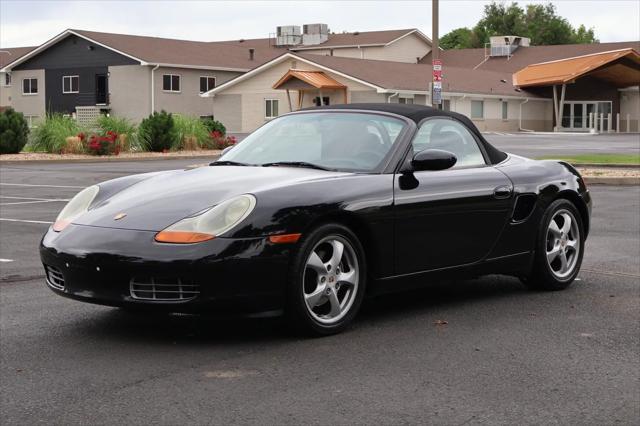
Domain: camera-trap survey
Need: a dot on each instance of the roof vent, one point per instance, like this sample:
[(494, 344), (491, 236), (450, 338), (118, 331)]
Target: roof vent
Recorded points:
[(314, 34), (504, 45), (252, 54), (356, 33), (288, 35)]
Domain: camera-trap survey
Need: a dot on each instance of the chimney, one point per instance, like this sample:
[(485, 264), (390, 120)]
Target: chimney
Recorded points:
[(252, 52)]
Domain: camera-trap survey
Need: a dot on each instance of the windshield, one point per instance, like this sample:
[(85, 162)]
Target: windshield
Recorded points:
[(339, 141)]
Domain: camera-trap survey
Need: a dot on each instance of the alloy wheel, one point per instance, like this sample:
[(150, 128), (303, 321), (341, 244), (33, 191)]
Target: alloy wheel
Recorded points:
[(330, 279), (563, 244)]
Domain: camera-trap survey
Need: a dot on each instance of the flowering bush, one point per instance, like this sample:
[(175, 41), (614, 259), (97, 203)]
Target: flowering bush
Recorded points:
[(220, 141), (103, 145)]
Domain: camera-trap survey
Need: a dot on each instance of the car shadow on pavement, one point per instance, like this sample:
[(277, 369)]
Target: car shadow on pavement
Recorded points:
[(186, 329)]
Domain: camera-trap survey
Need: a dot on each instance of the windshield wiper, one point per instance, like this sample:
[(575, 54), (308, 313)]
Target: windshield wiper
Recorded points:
[(296, 164), (229, 163)]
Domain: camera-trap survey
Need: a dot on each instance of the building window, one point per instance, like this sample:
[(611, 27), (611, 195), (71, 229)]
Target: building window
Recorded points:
[(270, 108), (70, 84), (446, 104), (325, 100), (405, 100), (505, 110), (171, 83), (31, 120), (207, 83), (29, 86), (7, 79), (477, 109)]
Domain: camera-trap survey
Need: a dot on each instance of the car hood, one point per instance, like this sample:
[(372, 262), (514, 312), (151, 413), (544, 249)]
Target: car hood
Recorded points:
[(163, 199)]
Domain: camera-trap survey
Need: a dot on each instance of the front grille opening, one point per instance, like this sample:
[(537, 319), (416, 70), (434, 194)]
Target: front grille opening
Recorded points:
[(163, 288), (54, 277), (524, 206)]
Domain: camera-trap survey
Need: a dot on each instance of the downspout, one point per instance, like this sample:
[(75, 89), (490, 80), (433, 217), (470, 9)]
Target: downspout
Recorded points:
[(520, 128), (391, 96), (153, 89)]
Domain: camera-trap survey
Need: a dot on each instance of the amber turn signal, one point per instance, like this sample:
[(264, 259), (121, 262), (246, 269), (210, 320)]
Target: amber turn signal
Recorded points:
[(59, 225), (284, 238), (181, 237)]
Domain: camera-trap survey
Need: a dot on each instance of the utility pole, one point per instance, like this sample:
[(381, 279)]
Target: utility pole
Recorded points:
[(435, 42), (436, 80)]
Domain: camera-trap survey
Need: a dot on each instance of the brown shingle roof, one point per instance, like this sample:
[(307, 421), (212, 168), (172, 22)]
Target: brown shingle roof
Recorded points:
[(335, 40), (223, 54), (524, 56), (183, 52), (416, 77), (10, 54)]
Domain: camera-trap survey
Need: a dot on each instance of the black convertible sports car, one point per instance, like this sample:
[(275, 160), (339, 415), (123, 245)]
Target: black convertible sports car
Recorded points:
[(316, 209)]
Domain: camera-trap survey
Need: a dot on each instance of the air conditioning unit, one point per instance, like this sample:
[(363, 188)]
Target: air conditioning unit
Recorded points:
[(313, 34), (506, 45), (288, 35)]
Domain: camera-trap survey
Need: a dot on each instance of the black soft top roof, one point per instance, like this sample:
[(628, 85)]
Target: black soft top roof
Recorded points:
[(417, 113)]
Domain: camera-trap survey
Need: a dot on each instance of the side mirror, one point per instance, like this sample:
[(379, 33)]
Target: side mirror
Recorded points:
[(433, 159), (227, 149)]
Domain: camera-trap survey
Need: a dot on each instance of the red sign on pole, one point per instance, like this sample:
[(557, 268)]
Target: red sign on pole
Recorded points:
[(437, 82)]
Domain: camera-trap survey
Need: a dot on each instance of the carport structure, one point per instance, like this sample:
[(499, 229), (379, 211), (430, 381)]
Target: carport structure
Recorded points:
[(598, 72), (308, 81)]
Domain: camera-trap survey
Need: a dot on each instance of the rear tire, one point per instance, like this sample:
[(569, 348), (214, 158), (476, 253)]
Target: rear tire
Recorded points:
[(327, 281), (559, 248)]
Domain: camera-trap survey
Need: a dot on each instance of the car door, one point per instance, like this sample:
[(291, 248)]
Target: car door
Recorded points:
[(448, 217)]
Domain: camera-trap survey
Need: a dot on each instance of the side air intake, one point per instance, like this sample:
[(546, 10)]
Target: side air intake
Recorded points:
[(524, 206)]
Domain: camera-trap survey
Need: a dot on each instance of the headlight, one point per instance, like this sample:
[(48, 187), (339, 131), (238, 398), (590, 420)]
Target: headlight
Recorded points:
[(210, 224), (74, 208)]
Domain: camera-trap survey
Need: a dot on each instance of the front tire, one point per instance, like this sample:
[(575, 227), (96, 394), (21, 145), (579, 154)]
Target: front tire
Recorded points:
[(559, 248), (327, 281)]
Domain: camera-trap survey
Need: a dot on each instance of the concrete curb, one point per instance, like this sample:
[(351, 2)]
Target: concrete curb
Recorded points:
[(612, 180), (606, 166), (108, 159)]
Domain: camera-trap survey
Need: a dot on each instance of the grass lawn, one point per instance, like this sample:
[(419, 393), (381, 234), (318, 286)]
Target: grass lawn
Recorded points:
[(632, 159)]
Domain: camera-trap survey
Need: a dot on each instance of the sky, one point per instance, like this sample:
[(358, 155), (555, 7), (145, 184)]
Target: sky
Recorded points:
[(29, 23)]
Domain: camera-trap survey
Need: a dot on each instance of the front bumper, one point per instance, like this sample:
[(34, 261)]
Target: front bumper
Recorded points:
[(99, 264)]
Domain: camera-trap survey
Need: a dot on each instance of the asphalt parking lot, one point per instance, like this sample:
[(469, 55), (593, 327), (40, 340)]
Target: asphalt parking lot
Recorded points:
[(506, 355), (535, 145)]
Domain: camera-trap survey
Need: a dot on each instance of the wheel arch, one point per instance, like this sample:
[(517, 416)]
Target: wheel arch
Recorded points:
[(579, 203), (358, 226)]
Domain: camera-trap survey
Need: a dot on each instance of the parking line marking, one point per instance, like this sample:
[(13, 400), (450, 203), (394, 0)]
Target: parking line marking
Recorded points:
[(32, 198), (26, 202), (6, 260), (42, 186), (2, 219)]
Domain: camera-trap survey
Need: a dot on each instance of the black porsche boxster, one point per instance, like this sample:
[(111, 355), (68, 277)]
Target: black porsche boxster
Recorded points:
[(315, 210)]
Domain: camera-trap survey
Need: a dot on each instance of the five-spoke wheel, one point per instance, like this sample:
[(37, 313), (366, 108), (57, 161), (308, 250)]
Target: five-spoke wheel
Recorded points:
[(559, 249), (563, 243), (328, 279)]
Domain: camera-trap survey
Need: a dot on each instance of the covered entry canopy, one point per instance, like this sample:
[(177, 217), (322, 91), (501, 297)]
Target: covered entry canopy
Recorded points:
[(614, 68), (302, 81), (620, 68)]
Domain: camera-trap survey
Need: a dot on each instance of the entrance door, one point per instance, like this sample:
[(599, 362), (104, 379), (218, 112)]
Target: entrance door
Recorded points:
[(101, 89)]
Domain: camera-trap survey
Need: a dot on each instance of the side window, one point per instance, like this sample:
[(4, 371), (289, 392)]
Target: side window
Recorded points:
[(452, 136)]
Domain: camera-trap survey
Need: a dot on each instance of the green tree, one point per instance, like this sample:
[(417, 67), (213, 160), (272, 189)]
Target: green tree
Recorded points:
[(539, 22), (545, 27), (584, 36), (499, 19), (13, 131), (459, 38), (158, 131)]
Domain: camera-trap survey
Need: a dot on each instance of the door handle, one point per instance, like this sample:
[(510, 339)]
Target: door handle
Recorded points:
[(502, 192)]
